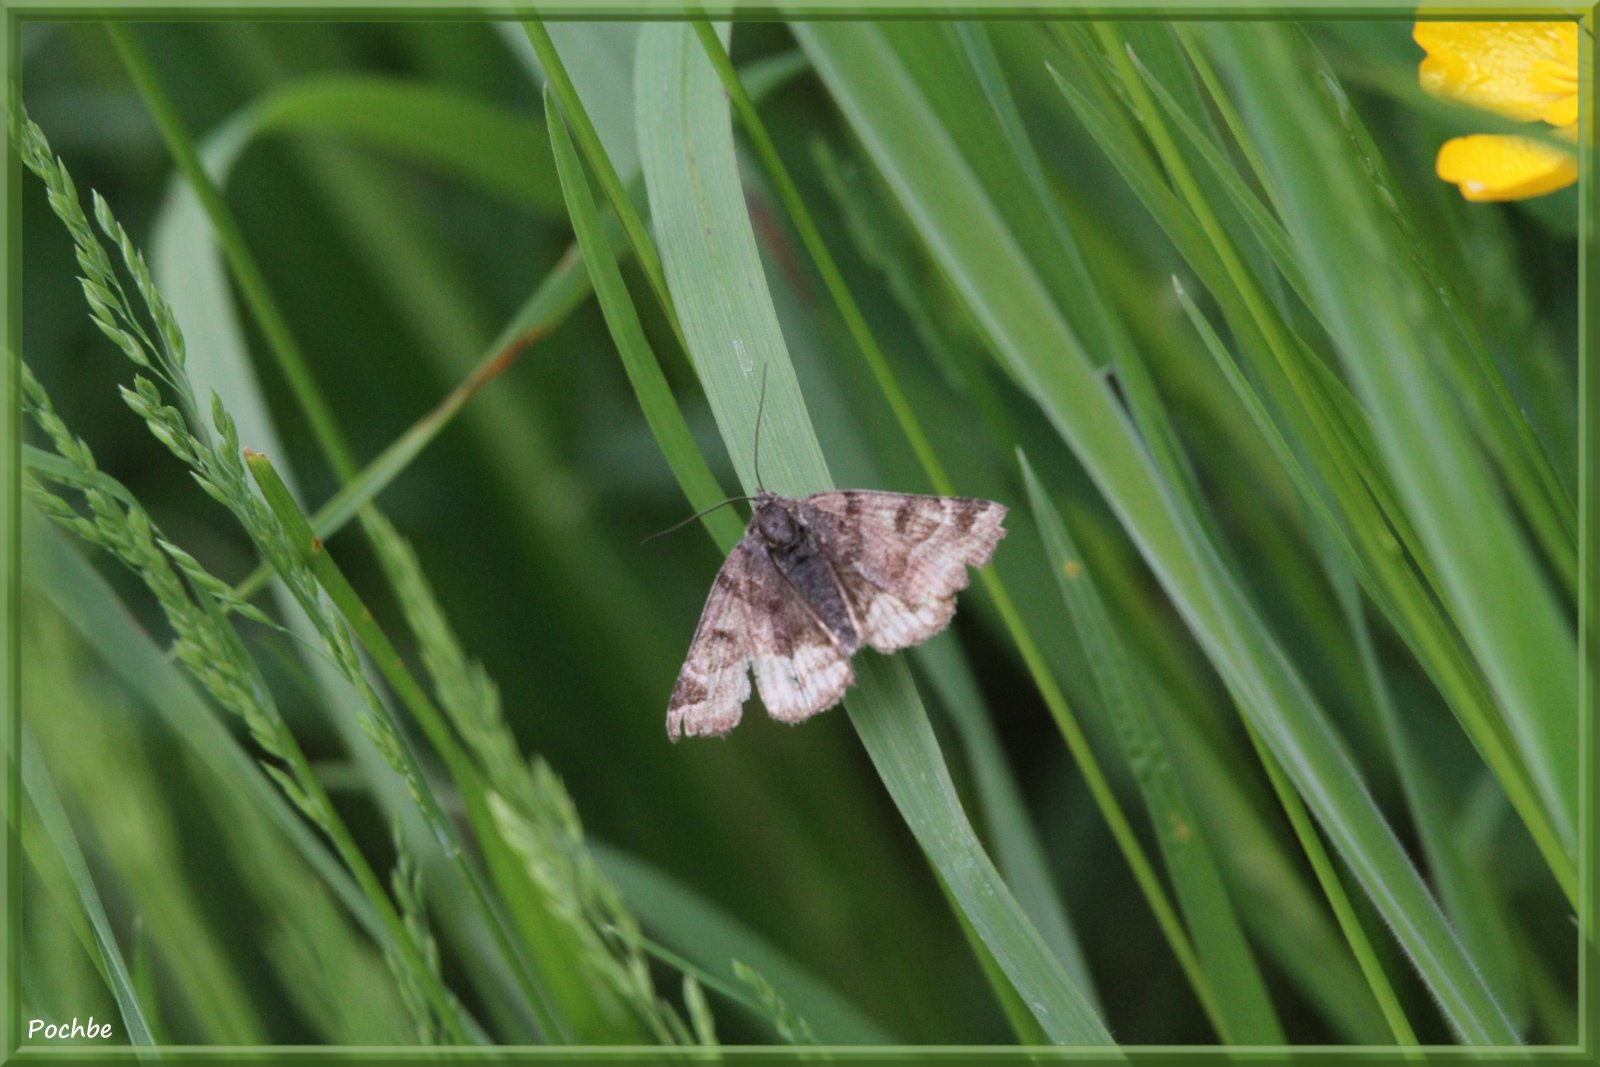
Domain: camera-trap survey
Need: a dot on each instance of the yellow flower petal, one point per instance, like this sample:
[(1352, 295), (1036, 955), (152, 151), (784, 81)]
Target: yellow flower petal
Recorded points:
[(1493, 167), (1563, 112), (1523, 70)]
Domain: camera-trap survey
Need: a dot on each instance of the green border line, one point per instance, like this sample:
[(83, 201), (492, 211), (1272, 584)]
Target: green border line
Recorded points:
[(779, 10), (765, 10), (11, 543)]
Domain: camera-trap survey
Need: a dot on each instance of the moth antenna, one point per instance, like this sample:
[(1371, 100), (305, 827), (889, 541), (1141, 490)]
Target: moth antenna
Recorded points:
[(760, 406), (697, 515)]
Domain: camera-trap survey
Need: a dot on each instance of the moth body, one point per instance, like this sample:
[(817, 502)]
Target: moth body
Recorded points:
[(799, 558)]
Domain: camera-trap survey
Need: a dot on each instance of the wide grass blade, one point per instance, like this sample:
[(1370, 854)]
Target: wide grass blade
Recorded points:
[(1468, 898), (714, 275), (965, 234), (1019, 853), (1243, 1009), (86, 738), (1490, 581), (910, 425), (442, 128), (1349, 489), (593, 598), (46, 805), (1471, 375), (644, 373)]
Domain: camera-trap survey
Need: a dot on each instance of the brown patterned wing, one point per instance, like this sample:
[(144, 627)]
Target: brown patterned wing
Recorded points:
[(902, 557), (715, 680), (754, 618), (800, 668)]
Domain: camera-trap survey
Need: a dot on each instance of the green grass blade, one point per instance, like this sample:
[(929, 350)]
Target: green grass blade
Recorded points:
[(474, 795), (90, 606), (42, 863), (1467, 898), (1343, 908), (1019, 853), (1456, 680), (1490, 582), (1361, 511), (1495, 415), (47, 804), (933, 468), (562, 290), (1243, 1010), (522, 901), (445, 129), (1286, 917), (1095, 320), (606, 171), (1313, 847), (596, 58), (964, 233), (247, 271), (895, 731), (714, 272), (713, 939), (661, 411), (1023, 1025), (1266, 229)]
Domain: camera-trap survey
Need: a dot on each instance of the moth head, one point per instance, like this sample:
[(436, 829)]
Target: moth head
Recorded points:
[(777, 524)]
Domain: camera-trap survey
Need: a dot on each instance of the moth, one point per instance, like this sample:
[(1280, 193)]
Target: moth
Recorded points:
[(813, 579)]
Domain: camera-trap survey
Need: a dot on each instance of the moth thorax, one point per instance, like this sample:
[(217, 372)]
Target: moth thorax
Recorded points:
[(778, 527)]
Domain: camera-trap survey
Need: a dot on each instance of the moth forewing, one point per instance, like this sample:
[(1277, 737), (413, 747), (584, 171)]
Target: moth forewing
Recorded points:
[(812, 580)]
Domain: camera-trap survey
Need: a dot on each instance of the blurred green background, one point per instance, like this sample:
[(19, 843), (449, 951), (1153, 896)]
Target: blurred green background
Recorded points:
[(397, 264)]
